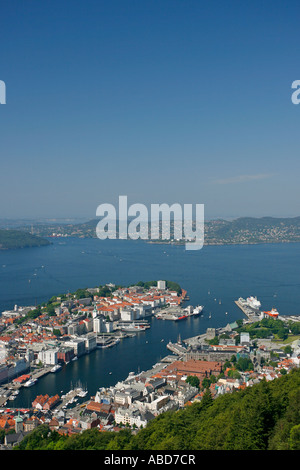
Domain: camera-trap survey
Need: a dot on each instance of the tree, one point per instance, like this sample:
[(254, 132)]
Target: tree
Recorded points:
[(294, 440), (205, 383), (193, 381)]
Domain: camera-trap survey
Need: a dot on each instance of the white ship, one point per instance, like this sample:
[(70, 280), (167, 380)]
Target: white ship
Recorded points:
[(30, 382), (253, 303), (56, 368), (133, 328), (197, 310)]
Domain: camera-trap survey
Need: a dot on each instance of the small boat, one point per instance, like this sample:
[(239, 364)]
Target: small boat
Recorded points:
[(30, 382)]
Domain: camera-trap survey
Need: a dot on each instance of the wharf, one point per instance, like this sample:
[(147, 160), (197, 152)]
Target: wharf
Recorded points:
[(251, 314), (176, 348)]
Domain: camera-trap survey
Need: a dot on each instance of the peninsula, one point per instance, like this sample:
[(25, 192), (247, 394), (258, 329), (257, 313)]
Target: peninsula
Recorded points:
[(12, 239)]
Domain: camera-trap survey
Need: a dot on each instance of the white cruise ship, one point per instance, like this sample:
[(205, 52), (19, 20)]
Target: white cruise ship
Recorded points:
[(253, 303), (56, 368)]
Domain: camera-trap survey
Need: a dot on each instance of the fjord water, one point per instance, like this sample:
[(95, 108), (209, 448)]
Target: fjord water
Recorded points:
[(214, 277)]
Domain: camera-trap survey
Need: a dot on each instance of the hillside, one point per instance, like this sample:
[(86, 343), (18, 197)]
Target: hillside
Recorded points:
[(265, 416), (11, 239), (244, 230)]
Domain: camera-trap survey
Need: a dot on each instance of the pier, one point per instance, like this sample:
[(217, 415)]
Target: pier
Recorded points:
[(251, 314)]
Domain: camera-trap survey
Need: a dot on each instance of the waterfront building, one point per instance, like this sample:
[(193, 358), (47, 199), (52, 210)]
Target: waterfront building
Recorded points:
[(65, 354), (90, 342), (127, 314), (78, 345), (48, 357), (210, 333)]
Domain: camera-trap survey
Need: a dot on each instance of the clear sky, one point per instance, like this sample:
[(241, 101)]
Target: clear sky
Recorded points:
[(163, 101)]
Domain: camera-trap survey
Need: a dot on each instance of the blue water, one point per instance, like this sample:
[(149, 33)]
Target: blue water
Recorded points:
[(33, 275)]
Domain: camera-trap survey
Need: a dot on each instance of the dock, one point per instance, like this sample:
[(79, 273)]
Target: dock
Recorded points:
[(176, 348), (251, 314)]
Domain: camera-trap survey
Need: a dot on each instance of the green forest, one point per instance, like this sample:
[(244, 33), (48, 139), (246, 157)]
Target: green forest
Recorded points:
[(11, 239), (265, 416)]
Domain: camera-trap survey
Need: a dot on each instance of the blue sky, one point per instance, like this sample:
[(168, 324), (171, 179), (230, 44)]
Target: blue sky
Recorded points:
[(162, 101)]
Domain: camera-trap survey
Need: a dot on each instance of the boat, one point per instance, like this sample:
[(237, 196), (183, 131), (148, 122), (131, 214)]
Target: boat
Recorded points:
[(56, 368), (253, 303), (197, 310), (272, 313), (183, 317), (133, 328), (75, 358), (30, 382)]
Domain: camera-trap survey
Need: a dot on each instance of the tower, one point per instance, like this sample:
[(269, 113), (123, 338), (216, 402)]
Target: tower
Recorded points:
[(18, 423)]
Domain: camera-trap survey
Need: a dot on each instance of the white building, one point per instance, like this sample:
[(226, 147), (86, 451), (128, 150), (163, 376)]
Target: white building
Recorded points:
[(133, 417), (161, 285), (127, 314), (244, 338), (48, 357), (98, 324), (90, 342)]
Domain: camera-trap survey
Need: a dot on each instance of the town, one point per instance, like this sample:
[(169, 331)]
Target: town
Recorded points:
[(39, 340)]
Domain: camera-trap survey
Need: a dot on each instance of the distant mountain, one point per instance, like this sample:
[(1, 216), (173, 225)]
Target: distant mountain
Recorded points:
[(243, 230), (11, 239)]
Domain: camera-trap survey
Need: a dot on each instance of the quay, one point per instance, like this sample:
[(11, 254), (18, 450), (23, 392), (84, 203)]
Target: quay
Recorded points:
[(177, 348), (250, 313)]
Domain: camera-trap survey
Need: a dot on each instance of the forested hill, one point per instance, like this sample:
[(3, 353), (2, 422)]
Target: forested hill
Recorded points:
[(10, 239), (265, 416)]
